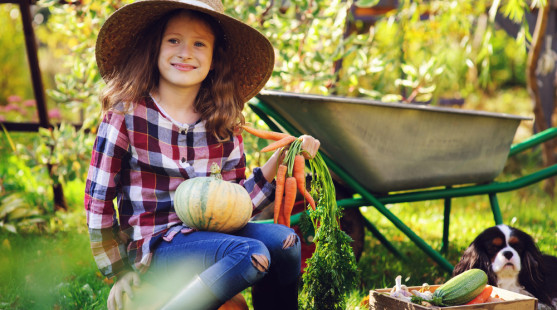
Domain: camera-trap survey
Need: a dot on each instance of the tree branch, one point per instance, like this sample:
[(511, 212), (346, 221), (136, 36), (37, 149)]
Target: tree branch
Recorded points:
[(534, 91)]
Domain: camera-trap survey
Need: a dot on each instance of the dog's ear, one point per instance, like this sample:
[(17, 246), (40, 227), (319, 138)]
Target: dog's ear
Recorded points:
[(475, 257), (532, 273)]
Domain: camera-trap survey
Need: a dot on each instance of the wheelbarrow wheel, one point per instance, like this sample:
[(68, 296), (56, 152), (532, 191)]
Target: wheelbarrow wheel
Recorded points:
[(352, 223)]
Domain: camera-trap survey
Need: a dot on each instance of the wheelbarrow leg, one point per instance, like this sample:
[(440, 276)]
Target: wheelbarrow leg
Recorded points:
[(495, 208), (370, 198), (446, 222), (410, 234), (377, 234)]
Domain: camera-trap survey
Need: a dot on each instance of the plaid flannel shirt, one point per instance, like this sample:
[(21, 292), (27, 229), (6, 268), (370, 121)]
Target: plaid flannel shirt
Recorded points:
[(140, 156)]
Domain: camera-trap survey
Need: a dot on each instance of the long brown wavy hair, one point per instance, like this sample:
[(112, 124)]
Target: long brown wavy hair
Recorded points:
[(218, 101)]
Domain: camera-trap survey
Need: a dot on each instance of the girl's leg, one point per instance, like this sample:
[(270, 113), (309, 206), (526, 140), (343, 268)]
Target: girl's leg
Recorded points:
[(209, 264), (279, 288)]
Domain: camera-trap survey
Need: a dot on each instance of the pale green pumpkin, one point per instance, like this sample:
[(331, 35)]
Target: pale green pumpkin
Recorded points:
[(212, 204)]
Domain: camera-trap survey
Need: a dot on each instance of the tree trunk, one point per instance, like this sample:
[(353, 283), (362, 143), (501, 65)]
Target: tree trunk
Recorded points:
[(534, 91), (57, 192)]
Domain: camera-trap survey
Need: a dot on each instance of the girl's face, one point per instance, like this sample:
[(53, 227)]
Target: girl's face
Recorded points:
[(186, 53)]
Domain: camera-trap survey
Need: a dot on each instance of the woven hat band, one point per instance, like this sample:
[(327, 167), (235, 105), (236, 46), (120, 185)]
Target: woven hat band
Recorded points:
[(200, 4), (207, 4)]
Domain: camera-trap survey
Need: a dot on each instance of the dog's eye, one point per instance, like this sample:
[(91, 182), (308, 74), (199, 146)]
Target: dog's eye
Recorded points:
[(513, 240), (494, 246), (497, 242), (516, 244)]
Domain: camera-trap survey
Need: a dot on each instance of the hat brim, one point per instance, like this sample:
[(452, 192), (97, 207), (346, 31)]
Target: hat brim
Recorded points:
[(251, 53)]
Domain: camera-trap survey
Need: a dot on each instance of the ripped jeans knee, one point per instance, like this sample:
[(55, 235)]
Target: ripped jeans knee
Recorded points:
[(290, 241), (285, 258), (260, 262), (289, 248), (276, 254)]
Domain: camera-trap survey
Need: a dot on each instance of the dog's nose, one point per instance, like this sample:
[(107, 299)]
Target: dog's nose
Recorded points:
[(508, 254)]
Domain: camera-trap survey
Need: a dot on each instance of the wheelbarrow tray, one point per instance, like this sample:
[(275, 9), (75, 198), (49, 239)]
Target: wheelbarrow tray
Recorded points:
[(399, 146)]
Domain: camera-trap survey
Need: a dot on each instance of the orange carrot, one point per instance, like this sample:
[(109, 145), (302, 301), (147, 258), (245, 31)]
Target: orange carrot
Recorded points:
[(289, 198), (281, 219), (299, 174), (264, 134), (309, 198), (484, 295), (278, 144), (279, 190)]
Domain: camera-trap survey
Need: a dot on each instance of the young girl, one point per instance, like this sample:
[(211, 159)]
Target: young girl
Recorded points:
[(178, 74)]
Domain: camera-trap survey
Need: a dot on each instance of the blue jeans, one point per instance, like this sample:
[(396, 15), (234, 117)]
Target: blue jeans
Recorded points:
[(225, 263)]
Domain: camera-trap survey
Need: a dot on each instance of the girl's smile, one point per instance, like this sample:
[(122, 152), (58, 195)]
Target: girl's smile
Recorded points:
[(183, 67), (186, 53)]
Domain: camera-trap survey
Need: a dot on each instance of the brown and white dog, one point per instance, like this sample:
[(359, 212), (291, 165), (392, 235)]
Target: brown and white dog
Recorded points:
[(513, 262)]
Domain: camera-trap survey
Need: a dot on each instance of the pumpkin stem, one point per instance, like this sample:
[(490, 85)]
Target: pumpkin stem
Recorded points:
[(215, 171)]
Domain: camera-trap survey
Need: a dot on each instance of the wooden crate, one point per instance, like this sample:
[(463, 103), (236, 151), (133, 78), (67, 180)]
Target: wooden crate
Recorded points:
[(380, 300)]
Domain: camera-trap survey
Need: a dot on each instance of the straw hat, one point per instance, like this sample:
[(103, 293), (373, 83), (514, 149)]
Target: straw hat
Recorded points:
[(251, 53)]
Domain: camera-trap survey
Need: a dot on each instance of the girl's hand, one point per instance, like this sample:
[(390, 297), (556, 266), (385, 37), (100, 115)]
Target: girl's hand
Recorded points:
[(122, 285), (310, 146)]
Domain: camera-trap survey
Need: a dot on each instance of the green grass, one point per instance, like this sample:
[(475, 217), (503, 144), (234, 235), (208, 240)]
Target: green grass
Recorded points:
[(49, 272)]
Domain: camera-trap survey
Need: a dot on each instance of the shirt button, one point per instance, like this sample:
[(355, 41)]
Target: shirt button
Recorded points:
[(183, 131), (183, 159)]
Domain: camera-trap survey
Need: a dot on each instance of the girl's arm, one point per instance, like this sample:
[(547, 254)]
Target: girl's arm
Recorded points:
[(269, 169), (110, 147)]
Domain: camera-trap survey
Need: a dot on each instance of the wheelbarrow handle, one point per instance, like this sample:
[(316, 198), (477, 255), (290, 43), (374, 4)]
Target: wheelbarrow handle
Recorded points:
[(534, 140)]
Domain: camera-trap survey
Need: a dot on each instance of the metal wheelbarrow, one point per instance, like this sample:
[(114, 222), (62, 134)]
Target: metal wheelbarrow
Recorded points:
[(395, 152)]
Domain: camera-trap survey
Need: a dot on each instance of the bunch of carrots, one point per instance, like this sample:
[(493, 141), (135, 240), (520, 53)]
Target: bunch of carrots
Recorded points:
[(333, 260), (291, 176)]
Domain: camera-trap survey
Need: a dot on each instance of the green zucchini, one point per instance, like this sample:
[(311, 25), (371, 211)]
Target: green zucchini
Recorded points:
[(460, 289)]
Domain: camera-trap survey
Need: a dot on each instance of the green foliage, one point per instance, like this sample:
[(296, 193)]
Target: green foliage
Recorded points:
[(73, 30), (24, 197), (454, 42), (66, 150), (333, 261), (14, 72), (16, 212), (69, 32), (25, 184), (307, 37), (424, 50), (19, 110)]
